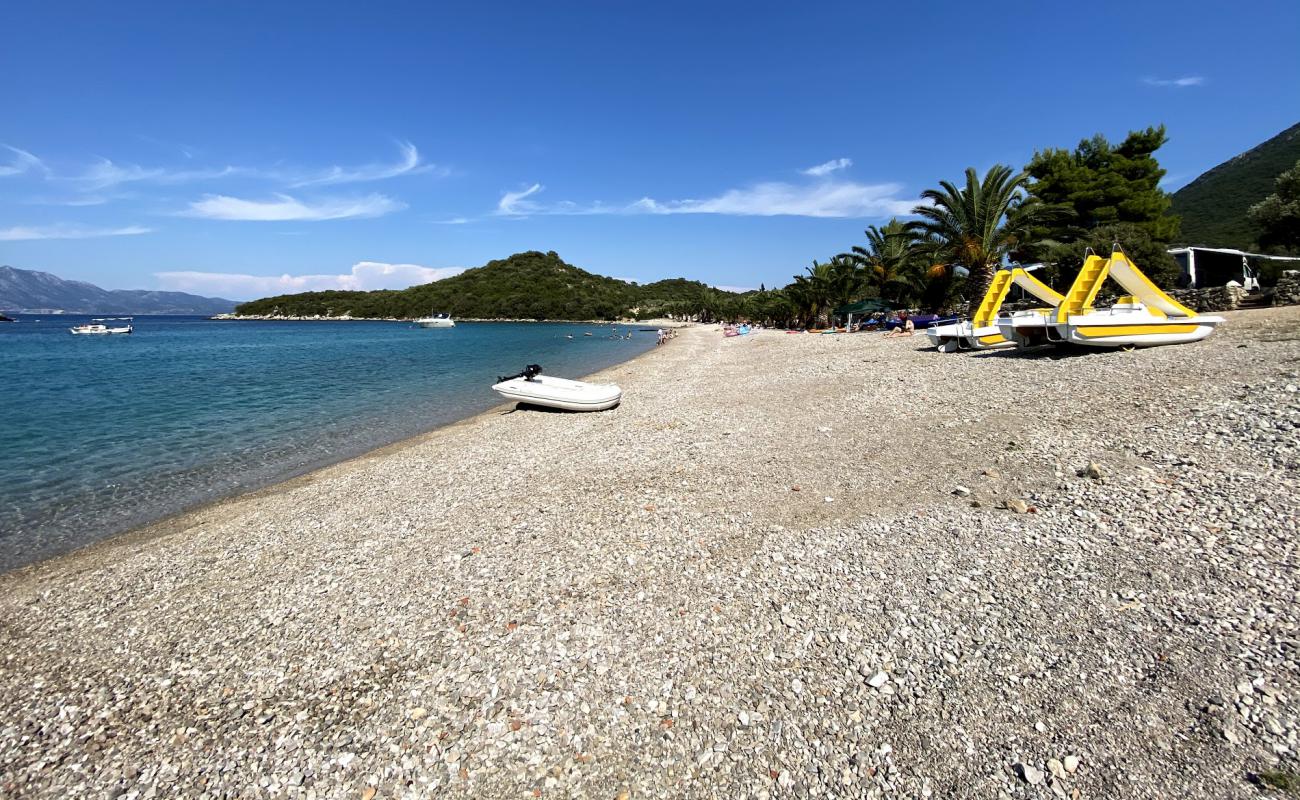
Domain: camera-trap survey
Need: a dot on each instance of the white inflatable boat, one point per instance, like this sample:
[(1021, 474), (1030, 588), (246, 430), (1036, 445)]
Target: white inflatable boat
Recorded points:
[(530, 386)]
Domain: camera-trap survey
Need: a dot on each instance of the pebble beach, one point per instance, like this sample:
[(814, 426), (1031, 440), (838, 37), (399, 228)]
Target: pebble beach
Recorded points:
[(786, 566)]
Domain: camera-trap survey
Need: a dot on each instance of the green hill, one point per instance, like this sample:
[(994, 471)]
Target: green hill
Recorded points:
[(1213, 206), (529, 285)]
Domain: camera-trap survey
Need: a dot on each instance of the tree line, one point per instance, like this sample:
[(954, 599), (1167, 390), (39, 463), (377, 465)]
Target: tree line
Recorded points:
[(1054, 210)]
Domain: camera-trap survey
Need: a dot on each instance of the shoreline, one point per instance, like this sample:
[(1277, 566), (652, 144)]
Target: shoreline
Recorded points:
[(658, 322), (177, 521), (782, 562)]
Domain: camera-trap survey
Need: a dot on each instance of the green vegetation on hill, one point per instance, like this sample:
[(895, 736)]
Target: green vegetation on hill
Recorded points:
[(1214, 206), (529, 285)]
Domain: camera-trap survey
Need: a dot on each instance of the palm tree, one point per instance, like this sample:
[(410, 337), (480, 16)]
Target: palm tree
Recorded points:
[(843, 280), (889, 261), (978, 225)]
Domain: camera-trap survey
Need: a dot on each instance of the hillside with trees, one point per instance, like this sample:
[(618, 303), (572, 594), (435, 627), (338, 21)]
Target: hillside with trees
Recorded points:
[(529, 285), (1215, 207)]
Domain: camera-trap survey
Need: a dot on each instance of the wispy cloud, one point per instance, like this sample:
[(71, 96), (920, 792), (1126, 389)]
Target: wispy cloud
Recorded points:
[(518, 204), (66, 231), (822, 170), (832, 199), (453, 221), (736, 289), (1179, 83), (409, 164), (364, 275), (824, 199), (287, 208), (21, 161), (106, 174)]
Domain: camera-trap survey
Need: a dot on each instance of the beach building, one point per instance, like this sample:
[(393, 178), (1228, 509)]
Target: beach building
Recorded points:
[(1205, 267)]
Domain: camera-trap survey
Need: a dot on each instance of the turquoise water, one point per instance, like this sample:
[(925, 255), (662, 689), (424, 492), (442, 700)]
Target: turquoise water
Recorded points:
[(102, 433)]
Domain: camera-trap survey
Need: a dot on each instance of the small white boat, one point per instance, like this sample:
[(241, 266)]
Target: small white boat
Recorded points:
[(96, 327), (436, 321), (530, 386)]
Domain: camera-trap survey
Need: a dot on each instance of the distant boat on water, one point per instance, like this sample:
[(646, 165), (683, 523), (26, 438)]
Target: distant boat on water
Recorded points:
[(436, 321), (96, 327), (3, 318)]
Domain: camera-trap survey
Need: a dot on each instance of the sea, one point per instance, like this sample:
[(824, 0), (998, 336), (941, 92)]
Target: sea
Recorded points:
[(100, 434)]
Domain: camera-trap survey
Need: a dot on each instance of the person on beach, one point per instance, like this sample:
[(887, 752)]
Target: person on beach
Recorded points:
[(905, 327)]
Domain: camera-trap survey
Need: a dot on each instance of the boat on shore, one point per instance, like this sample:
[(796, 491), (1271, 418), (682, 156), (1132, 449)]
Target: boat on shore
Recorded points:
[(534, 388), (435, 320), (96, 327), (1146, 317), (982, 331)]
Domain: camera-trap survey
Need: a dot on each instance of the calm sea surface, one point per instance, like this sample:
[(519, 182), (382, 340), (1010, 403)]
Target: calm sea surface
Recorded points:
[(102, 433)]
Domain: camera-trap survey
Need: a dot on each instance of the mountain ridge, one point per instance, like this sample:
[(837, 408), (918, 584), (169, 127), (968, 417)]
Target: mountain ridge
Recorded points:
[(22, 289), (1213, 206)]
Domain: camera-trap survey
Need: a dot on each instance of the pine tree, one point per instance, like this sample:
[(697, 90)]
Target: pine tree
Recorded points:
[(1108, 194)]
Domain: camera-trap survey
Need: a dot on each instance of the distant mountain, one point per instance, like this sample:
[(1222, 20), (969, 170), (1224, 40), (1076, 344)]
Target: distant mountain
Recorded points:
[(1213, 206), (529, 285), (28, 289)]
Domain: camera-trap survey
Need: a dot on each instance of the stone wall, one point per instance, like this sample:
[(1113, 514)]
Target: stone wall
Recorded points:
[(1287, 292), (1211, 298)]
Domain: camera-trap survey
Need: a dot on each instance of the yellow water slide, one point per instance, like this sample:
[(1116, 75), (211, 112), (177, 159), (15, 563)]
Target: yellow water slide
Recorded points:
[(988, 310), (1084, 289), (986, 315), (1126, 274), (1035, 287)]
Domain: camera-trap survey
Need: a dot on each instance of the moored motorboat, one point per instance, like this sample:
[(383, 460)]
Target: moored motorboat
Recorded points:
[(96, 327), (436, 321), (531, 386)]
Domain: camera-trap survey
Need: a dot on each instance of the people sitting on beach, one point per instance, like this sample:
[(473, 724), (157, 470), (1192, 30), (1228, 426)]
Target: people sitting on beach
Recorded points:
[(905, 327)]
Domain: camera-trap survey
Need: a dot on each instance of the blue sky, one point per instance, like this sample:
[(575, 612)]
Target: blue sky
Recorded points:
[(243, 149)]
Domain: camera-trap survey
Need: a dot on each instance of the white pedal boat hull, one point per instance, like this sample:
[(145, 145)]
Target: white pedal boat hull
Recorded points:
[(1134, 329), (561, 393), (1025, 328), (965, 336), (947, 338)]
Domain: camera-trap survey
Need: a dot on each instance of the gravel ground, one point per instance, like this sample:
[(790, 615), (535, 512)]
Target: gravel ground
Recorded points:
[(787, 566)]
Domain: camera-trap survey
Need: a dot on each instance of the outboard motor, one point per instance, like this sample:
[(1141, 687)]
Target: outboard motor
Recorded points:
[(531, 371)]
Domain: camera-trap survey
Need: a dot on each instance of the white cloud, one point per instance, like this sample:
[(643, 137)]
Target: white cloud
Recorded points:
[(831, 199), (364, 275), (736, 289), (1180, 83), (22, 161), (452, 221), (408, 165), (517, 204), (65, 231), (822, 170), (287, 208)]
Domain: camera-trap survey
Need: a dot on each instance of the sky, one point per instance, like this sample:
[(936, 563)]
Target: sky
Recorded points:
[(242, 149)]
